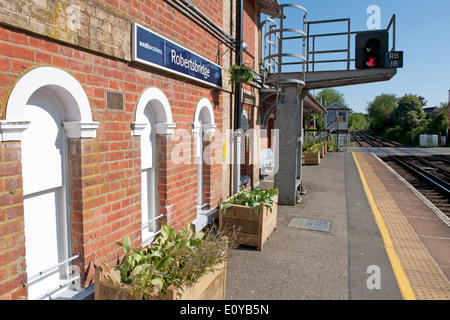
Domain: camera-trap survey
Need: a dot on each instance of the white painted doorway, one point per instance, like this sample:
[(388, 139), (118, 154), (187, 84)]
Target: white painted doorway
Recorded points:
[(45, 192)]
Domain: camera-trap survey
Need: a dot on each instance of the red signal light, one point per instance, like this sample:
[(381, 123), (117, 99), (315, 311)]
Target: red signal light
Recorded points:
[(371, 61)]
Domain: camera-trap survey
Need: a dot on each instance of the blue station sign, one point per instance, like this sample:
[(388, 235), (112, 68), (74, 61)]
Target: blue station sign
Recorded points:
[(154, 50)]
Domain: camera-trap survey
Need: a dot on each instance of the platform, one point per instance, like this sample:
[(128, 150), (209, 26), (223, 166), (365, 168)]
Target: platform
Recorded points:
[(358, 234)]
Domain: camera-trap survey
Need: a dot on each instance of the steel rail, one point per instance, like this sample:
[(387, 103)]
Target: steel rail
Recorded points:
[(356, 139), (442, 185), (447, 171)]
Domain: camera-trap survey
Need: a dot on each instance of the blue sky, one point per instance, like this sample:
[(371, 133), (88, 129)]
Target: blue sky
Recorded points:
[(423, 34)]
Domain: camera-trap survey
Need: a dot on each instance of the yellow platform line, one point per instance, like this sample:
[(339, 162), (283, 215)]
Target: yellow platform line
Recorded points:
[(400, 275)]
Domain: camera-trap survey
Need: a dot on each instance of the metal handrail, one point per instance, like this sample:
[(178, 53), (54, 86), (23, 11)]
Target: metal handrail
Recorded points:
[(313, 37), (311, 58), (48, 270), (57, 288), (274, 59), (52, 268), (145, 225), (392, 24)]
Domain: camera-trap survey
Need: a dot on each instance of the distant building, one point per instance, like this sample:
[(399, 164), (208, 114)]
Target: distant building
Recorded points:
[(432, 111), (337, 122)]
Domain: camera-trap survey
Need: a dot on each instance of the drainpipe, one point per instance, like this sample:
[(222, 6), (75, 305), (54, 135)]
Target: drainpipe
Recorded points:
[(238, 96)]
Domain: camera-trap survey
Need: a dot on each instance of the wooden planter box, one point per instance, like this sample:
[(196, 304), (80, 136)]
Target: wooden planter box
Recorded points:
[(255, 228), (322, 151), (312, 158), (210, 286)]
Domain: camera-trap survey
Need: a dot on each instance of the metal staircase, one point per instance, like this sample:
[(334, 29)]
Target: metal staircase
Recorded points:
[(283, 80), (289, 67)]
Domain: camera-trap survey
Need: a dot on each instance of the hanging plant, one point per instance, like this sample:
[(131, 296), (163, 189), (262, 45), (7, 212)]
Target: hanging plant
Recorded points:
[(241, 74)]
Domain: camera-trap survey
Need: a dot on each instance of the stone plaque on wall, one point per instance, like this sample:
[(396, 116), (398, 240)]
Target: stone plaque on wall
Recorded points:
[(114, 100)]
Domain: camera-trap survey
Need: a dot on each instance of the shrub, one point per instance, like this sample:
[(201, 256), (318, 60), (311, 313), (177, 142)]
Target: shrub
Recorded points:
[(176, 259), (251, 199)]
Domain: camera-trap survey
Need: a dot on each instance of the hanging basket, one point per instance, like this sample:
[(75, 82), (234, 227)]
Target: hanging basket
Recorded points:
[(241, 74)]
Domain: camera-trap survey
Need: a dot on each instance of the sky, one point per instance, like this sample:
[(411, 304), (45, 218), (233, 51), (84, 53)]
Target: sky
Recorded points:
[(423, 34)]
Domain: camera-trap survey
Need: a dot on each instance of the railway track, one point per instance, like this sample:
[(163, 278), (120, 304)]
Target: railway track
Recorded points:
[(427, 177), (365, 139), (428, 174)]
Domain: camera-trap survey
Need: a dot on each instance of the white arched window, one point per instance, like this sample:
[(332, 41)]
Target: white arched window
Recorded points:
[(46, 107), (203, 124), (153, 116)]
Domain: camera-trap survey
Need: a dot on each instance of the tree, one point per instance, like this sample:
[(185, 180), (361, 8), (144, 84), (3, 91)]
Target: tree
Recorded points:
[(357, 121), (380, 110), (438, 125), (408, 114), (329, 96)]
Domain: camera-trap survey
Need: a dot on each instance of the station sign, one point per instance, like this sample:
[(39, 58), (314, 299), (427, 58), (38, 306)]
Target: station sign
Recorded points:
[(154, 50), (394, 59)]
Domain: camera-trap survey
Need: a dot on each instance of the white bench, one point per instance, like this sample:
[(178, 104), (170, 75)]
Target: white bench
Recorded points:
[(266, 162)]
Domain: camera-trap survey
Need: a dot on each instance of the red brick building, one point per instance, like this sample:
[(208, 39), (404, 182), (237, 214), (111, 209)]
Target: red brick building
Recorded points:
[(95, 144)]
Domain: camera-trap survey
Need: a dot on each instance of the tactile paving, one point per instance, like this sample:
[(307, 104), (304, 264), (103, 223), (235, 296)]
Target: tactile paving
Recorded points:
[(425, 277)]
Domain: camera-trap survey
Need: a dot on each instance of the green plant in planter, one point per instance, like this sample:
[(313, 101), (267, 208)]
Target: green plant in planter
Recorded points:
[(176, 259), (241, 73), (330, 145), (251, 199), (310, 147)]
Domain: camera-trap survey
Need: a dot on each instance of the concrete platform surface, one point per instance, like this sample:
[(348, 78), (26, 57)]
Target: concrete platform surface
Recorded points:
[(350, 262)]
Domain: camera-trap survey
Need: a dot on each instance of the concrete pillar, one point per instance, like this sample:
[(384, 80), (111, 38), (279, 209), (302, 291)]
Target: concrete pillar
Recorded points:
[(288, 124)]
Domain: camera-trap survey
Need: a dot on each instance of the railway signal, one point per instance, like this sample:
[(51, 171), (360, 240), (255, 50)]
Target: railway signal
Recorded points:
[(371, 49)]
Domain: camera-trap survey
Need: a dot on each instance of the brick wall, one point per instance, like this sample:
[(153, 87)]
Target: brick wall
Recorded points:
[(104, 25), (12, 235), (104, 172)]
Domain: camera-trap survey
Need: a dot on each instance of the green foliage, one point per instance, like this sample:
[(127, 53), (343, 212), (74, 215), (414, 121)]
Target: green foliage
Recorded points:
[(438, 124), (308, 122), (251, 199), (357, 121), (311, 147), (330, 95), (330, 145), (403, 120), (314, 145), (176, 259), (241, 73), (408, 113), (379, 111)]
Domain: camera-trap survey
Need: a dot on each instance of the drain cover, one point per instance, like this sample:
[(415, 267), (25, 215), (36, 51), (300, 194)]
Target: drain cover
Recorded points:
[(310, 224)]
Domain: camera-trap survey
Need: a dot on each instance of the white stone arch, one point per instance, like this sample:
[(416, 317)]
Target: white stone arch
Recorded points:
[(204, 115), (204, 120), (160, 106), (46, 106), (153, 117), (64, 88), (204, 124)]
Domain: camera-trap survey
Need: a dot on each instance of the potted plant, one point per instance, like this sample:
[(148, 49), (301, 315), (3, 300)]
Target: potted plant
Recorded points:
[(241, 73), (330, 144), (311, 153), (321, 146), (253, 213), (177, 266)]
